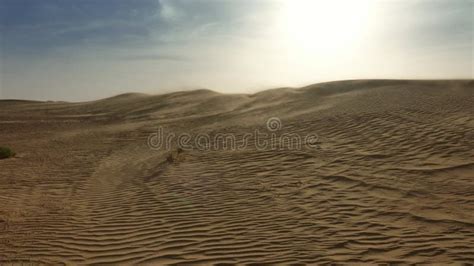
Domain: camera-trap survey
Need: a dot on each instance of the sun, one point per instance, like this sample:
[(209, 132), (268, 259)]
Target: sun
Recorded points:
[(321, 26)]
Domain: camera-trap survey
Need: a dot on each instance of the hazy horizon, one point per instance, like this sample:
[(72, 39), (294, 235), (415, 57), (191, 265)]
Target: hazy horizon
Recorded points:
[(85, 50), (244, 92)]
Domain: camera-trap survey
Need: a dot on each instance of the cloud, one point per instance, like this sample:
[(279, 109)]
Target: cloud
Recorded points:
[(29, 26), (169, 12), (153, 57), (30, 12)]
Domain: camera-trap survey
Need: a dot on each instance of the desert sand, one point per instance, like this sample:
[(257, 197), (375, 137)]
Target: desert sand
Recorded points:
[(391, 179)]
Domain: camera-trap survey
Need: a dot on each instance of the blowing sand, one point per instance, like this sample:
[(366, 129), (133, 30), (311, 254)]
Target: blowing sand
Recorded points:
[(390, 180)]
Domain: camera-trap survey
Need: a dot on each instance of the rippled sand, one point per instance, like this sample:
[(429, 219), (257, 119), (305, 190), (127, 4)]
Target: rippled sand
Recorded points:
[(390, 180)]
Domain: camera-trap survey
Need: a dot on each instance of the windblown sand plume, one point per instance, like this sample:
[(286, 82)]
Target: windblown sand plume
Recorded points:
[(390, 177)]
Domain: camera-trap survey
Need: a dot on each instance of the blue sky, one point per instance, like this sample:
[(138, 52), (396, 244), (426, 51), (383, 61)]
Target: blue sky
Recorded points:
[(87, 49)]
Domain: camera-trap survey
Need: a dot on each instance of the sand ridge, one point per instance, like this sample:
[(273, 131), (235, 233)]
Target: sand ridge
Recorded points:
[(391, 180)]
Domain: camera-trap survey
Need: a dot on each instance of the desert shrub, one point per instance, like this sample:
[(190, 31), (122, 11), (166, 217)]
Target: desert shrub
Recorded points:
[(170, 158), (6, 152)]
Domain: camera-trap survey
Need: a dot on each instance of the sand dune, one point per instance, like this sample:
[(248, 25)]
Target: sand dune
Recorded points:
[(390, 181)]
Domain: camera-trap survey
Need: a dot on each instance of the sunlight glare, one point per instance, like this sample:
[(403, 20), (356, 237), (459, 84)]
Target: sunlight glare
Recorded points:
[(321, 26)]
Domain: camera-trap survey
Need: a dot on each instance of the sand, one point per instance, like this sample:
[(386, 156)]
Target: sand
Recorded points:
[(390, 178)]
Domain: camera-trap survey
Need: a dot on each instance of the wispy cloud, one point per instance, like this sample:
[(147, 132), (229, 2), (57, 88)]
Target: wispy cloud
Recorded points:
[(44, 25), (153, 57), (169, 12)]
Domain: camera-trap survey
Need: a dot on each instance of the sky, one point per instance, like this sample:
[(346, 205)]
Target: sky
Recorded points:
[(78, 50)]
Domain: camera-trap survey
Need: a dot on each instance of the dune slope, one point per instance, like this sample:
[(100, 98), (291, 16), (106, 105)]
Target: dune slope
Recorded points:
[(390, 177)]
